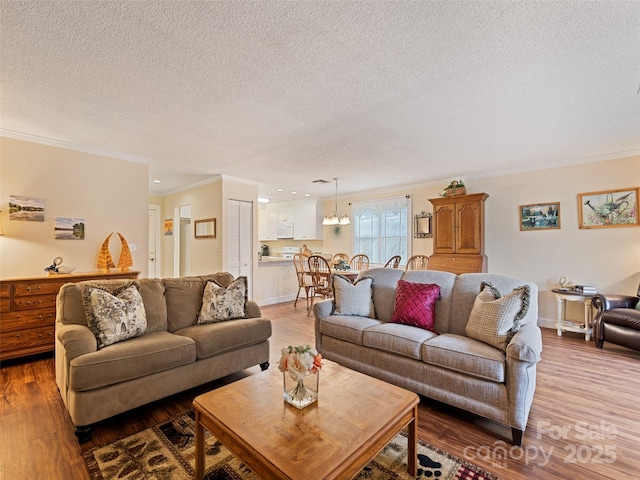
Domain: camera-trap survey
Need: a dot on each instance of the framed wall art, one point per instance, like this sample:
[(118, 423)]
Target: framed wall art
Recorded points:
[(539, 216), (168, 227), (609, 208)]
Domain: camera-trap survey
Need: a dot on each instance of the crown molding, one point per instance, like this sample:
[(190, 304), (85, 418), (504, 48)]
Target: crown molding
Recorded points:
[(52, 142)]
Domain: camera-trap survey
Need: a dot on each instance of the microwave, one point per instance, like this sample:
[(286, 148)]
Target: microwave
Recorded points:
[(284, 230)]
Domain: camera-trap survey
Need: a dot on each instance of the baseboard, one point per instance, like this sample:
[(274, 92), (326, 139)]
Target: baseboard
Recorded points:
[(547, 323)]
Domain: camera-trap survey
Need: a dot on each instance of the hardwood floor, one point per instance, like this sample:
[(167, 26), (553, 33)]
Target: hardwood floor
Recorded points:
[(584, 422)]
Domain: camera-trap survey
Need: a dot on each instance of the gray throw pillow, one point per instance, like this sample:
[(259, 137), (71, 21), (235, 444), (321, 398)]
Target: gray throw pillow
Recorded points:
[(353, 298)]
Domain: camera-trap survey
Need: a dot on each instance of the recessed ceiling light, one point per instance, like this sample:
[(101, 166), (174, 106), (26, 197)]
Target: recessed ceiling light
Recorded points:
[(294, 193), (281, 189), (263, 200), (156, 181), (307, 194)]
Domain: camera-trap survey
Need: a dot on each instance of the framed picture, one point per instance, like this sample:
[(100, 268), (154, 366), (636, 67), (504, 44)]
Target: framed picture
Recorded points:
[(608, 208), (26, 208), (69, 228), (539, 216), (168, 227)]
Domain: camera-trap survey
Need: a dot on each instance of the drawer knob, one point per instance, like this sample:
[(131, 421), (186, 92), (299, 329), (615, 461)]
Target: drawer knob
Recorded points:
[(37, 289), (39, 335), (18, 335)]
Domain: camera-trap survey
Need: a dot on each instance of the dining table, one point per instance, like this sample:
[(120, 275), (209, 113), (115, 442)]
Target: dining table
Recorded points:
[(350, 274)]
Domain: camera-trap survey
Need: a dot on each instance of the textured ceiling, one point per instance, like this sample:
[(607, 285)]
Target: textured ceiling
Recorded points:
[(282, 93)]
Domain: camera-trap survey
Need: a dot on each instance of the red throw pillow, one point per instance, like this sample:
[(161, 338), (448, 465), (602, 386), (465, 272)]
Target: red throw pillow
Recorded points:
[(416, 304)]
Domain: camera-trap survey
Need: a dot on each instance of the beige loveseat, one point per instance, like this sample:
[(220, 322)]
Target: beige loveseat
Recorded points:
[(174, 354), (451, 367)]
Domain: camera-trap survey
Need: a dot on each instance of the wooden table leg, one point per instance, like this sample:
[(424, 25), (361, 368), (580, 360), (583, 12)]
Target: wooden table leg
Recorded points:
[(199, 448), (412, 452)]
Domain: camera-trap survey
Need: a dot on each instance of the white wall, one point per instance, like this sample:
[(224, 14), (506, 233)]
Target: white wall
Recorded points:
[(110, 195), (608, 258)]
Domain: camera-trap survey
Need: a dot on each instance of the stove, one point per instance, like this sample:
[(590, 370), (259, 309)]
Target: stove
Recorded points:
[(289, 252)]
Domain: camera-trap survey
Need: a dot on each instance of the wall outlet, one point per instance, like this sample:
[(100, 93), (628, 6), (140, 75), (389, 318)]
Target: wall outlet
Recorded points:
[(134, 247)]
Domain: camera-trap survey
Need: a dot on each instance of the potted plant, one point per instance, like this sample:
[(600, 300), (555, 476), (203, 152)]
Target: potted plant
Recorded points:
[(456, 187)]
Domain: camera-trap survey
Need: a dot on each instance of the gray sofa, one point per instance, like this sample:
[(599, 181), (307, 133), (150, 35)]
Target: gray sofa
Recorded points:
[(174, 354), (450, 367)]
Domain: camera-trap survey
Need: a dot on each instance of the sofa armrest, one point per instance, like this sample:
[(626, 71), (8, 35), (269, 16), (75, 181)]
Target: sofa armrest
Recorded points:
[(76, 339), (607, 302), (526, 344), (322, 309), (253, 310)]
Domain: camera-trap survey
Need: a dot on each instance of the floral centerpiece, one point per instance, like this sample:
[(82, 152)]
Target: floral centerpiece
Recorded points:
[(300, 366)]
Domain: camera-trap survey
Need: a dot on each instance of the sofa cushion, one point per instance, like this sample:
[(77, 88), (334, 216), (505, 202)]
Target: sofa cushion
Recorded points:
[(184, 297), (114, 315), (223, 303), (465, 355), (155, 305), (446, 282), (396, 338), (416, 304), (494, 318), (353, 298), (384, 290), (151, 353), (346, 327), (220, 337)]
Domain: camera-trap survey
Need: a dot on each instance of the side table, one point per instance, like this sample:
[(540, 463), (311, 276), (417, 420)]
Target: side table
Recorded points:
[(562, 324)]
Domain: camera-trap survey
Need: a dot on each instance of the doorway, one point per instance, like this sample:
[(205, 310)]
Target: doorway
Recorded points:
[(154, 263)]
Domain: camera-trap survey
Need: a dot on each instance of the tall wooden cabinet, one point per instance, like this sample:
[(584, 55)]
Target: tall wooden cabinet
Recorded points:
[(458, 234), (28, 310)]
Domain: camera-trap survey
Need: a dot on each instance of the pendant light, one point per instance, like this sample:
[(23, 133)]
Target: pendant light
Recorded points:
[(336, 217)]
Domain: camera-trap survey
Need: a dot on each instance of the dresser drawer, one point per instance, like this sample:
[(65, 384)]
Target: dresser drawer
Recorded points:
[(25, 320), (36, 288), (34, 301), (40, 339), (5, 297)]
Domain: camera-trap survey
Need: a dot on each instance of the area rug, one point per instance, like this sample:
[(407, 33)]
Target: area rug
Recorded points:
[(167, 452)]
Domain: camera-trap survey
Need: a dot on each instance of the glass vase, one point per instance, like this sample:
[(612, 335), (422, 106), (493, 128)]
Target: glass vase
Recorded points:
[(301, 391)]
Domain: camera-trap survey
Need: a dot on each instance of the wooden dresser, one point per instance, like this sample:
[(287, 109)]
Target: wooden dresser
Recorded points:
[(28, 310), (458, 234)]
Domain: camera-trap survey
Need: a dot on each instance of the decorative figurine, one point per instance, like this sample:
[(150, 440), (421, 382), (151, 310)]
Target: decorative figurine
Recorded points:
[(105, 262), (125, 260)]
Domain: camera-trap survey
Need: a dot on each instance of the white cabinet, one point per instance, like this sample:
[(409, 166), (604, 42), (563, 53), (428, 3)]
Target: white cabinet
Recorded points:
[(267, 223), (307, 221), (285, 213)]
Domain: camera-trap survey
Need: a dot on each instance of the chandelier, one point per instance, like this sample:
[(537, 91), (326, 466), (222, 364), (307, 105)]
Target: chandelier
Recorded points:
[(336, 217)]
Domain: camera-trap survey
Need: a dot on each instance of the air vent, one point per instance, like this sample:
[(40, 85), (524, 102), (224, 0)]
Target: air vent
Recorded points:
[(320, 181)]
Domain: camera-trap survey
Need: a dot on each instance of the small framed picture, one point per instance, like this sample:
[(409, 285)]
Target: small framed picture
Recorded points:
[(168, 227), (539, 216), (608, 208)]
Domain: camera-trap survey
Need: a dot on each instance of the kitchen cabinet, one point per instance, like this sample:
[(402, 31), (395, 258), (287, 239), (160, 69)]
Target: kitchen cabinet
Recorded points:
[(28, 309), (307, 221), (458, 234), (285, 213), (267, 223)]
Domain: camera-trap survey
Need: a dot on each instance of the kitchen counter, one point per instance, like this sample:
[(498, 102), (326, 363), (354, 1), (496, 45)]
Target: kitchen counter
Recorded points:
[(266, 260)]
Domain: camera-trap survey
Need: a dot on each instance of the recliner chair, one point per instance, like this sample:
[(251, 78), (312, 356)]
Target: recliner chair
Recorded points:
[(617, 320)]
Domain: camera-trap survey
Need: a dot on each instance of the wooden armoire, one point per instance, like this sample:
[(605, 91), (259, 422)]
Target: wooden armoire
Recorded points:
[(458, 234)]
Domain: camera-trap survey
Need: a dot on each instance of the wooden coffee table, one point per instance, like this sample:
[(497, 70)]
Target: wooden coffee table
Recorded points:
[(354, 417)]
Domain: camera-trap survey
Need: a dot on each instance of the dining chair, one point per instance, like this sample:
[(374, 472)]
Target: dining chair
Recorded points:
[(417, 262), (300, 262), (359, 262), (393, 262), (320, 278)]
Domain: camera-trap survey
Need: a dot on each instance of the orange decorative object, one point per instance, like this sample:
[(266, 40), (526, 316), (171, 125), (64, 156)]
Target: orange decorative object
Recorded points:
[(105, 262), (125, 260)]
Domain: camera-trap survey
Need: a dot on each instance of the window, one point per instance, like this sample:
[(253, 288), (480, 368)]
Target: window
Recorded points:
[(380, 228)]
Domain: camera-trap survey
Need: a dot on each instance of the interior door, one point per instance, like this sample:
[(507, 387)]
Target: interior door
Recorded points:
[(240, 241)]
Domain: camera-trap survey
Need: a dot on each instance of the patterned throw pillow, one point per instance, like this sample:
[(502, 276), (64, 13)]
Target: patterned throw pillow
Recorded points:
[(416, 304), (223, 303), (353, 298), (115, 316), (494, 319)]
